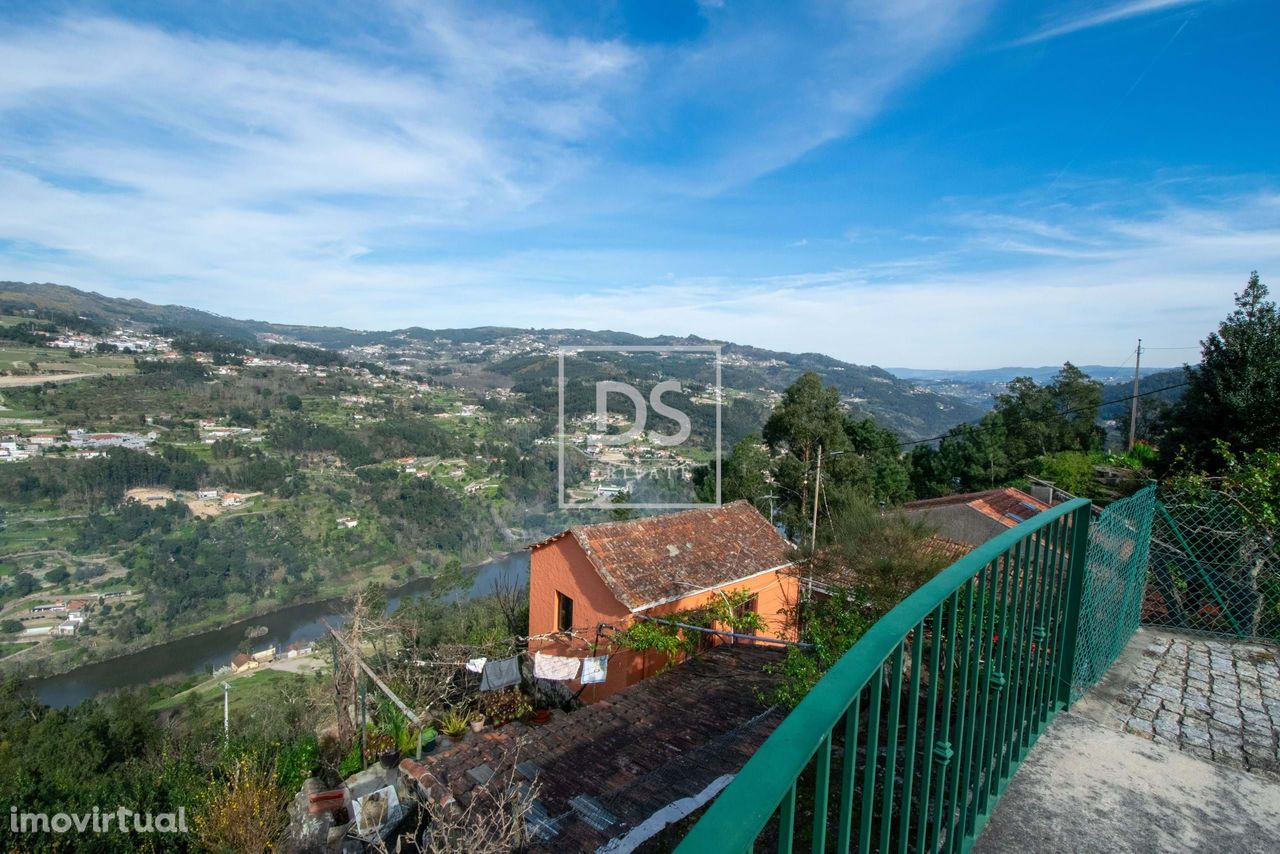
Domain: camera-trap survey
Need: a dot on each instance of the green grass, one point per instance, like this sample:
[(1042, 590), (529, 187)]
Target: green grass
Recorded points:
[(34, 535), (59, 360), (8, 649), (246, 691)]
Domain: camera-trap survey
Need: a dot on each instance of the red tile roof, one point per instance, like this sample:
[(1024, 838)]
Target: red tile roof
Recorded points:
[(657, 559), (1008, 506), (945, 547)]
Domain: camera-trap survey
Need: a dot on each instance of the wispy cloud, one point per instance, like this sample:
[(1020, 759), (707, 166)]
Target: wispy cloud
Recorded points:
[(1101, 17), (138, 156), (1166, 274)]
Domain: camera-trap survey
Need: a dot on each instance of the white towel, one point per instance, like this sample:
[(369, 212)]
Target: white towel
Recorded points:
[(555, 667), (595, 669), (476, 665)]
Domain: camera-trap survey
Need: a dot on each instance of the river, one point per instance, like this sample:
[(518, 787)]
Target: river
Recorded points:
[(209, 650)]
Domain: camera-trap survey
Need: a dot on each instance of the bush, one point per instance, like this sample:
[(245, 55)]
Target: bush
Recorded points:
[(246, 813)]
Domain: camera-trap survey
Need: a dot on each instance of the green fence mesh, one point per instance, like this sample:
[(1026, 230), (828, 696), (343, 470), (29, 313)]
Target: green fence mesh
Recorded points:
[(1215, 567), (1111, 604)]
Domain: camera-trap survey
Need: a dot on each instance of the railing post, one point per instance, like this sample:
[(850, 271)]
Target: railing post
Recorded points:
[(1078, 569)]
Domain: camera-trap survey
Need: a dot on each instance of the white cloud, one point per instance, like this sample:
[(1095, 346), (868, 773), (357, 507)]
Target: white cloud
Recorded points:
[(1101, 17), (241, 174), (1167, 277)]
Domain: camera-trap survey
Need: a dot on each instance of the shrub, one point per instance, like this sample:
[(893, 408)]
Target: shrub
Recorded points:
[(246, 813)]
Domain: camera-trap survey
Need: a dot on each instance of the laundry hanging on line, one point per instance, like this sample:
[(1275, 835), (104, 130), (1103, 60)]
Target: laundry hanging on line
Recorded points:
[(595, 669), (476, 665), (557, 668), (500, 674)]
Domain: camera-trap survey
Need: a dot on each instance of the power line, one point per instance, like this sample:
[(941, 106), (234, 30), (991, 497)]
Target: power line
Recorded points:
[(979, 425)]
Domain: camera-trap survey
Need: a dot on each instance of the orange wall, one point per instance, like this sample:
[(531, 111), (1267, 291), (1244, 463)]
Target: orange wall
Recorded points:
[(562, 566)]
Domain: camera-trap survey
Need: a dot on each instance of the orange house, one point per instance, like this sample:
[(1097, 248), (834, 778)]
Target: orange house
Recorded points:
[(593, 580)]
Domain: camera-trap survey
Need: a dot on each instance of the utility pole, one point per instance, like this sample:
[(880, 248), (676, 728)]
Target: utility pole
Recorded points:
[(1133, 411), (226, 711), (817, 487)]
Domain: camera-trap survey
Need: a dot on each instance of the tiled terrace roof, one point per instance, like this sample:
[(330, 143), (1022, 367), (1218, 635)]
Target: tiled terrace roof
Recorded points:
[(1008, 506), (648, 561), (626, 757)]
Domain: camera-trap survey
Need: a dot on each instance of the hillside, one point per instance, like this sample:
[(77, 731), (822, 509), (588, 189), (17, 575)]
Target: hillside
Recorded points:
[(1114, 395), (977, 388), (459, 354)]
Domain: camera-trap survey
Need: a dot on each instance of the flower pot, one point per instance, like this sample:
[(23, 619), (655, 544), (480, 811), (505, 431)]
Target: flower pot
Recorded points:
[(390, 757), (477, 724), (539, 716)]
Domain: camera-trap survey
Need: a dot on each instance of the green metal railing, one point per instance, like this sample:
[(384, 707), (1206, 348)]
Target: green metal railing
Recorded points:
[(907, 742)]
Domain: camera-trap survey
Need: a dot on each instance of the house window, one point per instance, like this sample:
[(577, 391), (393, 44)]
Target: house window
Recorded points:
[(564, 612), (751, 606)]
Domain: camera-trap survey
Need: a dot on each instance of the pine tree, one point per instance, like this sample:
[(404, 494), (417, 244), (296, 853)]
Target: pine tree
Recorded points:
[(1233, 395)]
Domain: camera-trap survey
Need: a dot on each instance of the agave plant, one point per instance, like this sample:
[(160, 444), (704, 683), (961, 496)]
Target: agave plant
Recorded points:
[(453, 723)]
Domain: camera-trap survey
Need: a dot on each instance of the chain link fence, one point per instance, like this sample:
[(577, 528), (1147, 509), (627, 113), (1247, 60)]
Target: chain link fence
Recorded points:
[(1111, 603), (1215, 567)]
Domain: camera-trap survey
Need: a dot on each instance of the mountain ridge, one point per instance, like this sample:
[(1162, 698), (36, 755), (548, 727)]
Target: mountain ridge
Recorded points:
[(867, 389)]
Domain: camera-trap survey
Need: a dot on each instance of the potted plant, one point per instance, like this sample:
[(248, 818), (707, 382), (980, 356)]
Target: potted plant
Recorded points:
[(388, 752), (477, 722), (499, 707), (453, 723), (538, 717), (428, 739), (393, 726)]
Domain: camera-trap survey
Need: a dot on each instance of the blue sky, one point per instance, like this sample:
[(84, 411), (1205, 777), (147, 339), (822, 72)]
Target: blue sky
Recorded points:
[(906, 182)]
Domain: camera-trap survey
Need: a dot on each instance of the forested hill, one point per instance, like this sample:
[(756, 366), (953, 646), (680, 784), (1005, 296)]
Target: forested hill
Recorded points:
[(896, 403), (1163, 387)]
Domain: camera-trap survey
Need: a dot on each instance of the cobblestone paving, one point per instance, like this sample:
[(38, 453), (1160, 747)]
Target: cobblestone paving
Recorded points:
[(1214, 700)]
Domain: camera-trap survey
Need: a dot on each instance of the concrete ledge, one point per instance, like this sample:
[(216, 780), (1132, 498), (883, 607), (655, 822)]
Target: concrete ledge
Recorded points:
[(1086, 787)]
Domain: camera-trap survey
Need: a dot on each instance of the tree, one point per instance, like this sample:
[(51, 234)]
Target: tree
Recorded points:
[(745, 474), (293, 403), (621, 514), (1077, 400), (1233, 396), (24, 583), (57, 575), (1029, 422), (808, 418), (11, 627)]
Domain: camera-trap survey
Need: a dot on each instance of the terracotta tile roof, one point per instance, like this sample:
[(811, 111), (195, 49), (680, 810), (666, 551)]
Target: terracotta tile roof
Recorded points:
[(652, 560), (660, 740), (1008, 506), (945, 547)]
